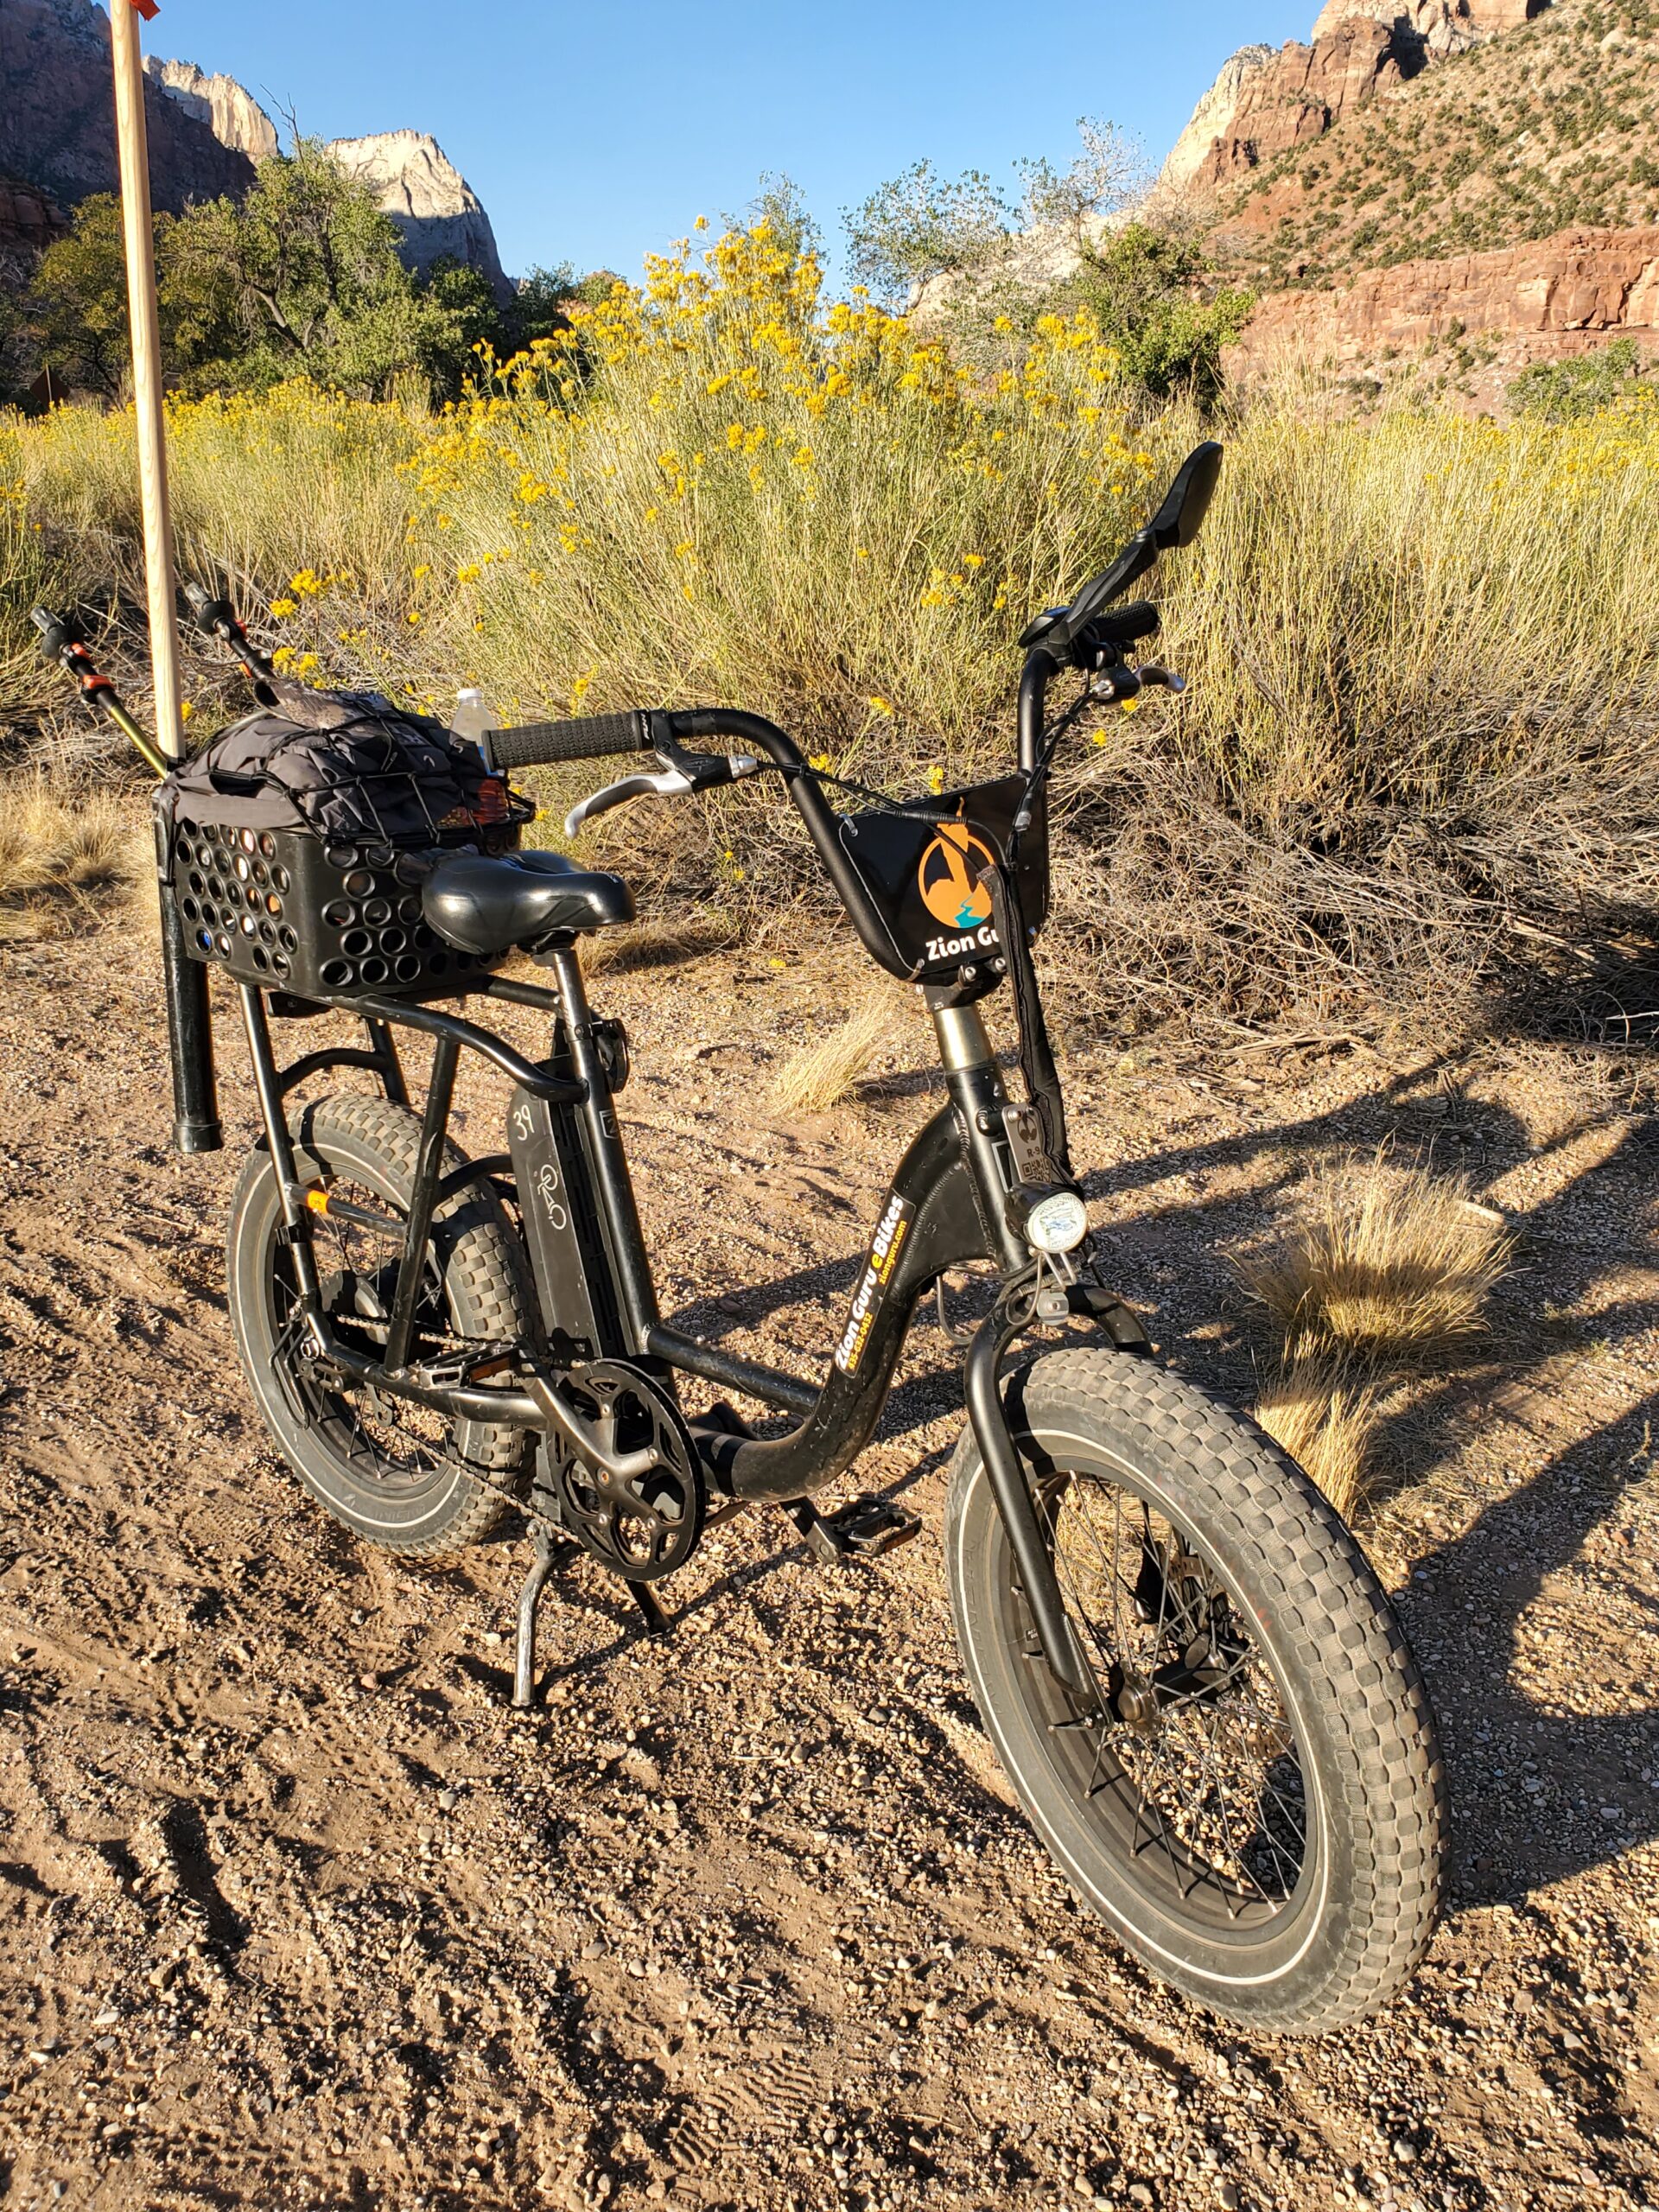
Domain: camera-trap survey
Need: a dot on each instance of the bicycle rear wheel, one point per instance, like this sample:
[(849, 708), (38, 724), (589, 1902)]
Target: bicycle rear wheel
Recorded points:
[(1255, 1802), (395, 1473)]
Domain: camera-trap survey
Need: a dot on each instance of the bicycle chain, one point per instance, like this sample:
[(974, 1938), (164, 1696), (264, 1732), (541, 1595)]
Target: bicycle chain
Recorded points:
[(525, 1501)]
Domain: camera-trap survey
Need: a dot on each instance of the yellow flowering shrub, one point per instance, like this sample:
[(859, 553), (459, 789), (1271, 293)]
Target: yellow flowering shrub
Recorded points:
[(695, 468), (1419, 647)]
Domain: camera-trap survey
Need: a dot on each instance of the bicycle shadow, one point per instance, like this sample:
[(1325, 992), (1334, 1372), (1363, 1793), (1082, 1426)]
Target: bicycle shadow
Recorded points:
[(1518, 1541), (1580, 1763), (1511, 1839)]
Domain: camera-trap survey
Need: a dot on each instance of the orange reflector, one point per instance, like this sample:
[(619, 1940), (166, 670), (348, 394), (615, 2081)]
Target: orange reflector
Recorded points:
[(317, 1199)]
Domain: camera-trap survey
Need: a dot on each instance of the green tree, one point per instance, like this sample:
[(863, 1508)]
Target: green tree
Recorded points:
[(301, 277), (780, 204), (921, 225), (74, 315), (966, 260), (305, 273), (1150, 289), (1565, 391), (541, 307)]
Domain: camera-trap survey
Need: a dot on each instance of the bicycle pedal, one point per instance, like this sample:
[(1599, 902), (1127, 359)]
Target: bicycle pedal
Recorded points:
[(871, 1525)]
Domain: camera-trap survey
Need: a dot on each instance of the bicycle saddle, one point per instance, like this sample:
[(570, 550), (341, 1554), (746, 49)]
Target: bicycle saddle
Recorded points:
[(483, 904)]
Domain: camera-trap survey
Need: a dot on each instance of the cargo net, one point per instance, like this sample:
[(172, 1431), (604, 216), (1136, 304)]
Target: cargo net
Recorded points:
[(348, 766)]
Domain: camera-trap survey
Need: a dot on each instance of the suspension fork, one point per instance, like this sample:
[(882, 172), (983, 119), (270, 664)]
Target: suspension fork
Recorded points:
[(977, 1090)]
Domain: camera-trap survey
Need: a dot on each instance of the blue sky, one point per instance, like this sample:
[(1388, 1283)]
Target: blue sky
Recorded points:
[(596, 134)]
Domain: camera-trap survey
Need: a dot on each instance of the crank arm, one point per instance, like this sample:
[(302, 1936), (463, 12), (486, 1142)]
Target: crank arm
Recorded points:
[(624, 1466)]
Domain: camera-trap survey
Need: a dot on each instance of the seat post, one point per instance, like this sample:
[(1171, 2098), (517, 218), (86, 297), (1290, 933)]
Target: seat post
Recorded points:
[(618, 1214)]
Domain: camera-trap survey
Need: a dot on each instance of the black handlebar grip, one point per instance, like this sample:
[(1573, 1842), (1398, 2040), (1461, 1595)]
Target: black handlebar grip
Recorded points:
[(534, 745)]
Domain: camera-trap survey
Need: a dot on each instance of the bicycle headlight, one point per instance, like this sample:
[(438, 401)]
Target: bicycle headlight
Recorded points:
[(1055, 1221)]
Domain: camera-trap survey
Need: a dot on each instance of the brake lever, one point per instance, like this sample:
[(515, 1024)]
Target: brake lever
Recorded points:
[(1119, 682), (681, 773)]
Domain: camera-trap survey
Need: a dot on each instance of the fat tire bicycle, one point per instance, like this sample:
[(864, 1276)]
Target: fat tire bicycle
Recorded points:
[(1190, 1672)]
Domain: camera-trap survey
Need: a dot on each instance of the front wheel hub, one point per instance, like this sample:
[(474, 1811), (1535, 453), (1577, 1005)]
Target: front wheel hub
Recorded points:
[(1137, 1706)]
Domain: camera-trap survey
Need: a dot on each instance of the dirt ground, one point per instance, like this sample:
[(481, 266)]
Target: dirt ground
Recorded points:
[(298, 1912)]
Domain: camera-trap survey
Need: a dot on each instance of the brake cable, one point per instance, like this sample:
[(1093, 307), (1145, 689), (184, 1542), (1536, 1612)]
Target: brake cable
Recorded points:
[(920, 809)]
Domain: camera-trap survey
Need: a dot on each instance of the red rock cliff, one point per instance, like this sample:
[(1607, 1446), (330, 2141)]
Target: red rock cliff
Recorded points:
[(1541, 302)]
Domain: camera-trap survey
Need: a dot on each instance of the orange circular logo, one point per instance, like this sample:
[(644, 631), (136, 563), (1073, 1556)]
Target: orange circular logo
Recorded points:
[(945, 878)]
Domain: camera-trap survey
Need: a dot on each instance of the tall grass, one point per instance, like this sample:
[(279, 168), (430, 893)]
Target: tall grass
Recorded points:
[(28, 574), (1423, 652)]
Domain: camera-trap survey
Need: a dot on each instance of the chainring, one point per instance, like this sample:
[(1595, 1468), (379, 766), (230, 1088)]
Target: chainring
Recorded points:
[(643, 1527)]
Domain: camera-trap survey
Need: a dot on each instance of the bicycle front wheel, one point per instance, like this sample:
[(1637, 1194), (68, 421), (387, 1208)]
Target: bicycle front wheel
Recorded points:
[(1253, 1798)]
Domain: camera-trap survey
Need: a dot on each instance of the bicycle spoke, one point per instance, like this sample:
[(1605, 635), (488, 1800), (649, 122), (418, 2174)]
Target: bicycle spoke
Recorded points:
[(1207, 1756)]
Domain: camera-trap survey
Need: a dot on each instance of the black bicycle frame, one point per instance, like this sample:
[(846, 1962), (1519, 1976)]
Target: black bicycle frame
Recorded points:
[(944, 1209)]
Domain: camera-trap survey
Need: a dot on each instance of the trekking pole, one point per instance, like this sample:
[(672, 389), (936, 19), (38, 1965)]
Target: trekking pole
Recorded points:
[(216, 617), (61, 641)]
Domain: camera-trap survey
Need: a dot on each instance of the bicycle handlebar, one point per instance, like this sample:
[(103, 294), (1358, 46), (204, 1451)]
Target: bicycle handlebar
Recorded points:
[(590, 737), (1052, 642)]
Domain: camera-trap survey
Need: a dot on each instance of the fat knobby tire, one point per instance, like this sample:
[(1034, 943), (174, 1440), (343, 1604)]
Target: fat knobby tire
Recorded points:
[(1369, 1758), (373, 1142)]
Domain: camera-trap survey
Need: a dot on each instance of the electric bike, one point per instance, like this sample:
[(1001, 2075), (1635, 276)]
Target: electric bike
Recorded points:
[(1190, 1673)]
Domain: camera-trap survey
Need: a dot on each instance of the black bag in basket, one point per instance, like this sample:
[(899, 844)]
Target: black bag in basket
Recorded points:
[(296, 842)]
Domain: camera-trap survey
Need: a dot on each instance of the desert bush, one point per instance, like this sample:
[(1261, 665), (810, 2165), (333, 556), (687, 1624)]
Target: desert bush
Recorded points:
[(1325, 1411), (1585, 383), (1386, 1274), (264, 486), (822, 1074), (34, 568), (1389, 1263), (63, 855)]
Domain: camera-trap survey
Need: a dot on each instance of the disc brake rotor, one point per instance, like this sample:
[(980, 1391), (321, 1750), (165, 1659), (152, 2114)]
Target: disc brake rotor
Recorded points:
[(641, 1526)]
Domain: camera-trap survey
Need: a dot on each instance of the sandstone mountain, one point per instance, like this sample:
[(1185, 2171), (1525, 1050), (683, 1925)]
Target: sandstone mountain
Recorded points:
[(57, 113), (1468, 323), (1447, 189), (433, 207), (207, 134), (1403, 133), (233, 116)]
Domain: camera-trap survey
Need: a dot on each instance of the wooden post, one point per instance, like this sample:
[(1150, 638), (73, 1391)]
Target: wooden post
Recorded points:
[(189, 1022), (148, 390)]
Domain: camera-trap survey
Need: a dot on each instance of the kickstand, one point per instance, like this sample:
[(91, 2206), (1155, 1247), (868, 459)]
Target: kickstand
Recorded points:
[(530, 1598), (550, 1551), (658, 1619)]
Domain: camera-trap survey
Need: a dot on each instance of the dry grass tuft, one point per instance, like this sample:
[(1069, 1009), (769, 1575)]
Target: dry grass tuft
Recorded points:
[(1324, 1411), (1392, 1264), (57, 854), (823, 1074), (1392, 1267)]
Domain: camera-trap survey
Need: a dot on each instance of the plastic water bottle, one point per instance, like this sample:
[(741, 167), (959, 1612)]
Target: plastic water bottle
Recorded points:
[(473, 717)]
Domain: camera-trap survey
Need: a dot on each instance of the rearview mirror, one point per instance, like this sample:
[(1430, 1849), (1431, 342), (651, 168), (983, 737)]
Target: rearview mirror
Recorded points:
[(1187, 500)]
